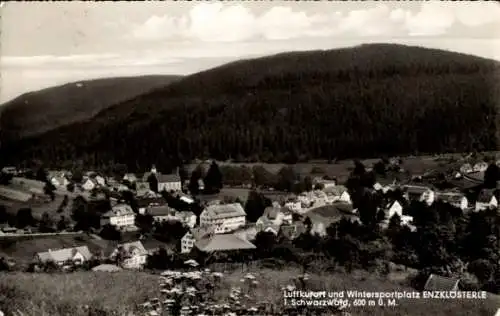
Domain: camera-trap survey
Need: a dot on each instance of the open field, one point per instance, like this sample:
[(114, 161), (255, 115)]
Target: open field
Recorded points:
[(39, 207), (22, 249), (63, 294), (341, 168)]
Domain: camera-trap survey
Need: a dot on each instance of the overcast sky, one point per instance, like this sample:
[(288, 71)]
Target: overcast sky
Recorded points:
[(50, 43)]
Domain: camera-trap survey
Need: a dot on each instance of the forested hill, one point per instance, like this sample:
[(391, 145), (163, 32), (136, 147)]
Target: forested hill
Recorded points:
[(47, 109), (367, 100)]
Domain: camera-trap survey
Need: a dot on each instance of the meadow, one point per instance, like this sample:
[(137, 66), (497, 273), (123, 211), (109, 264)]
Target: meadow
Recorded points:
[(121, 293), (22, 249)]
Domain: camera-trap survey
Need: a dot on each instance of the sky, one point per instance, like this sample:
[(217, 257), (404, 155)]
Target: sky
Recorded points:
[(45, 44)]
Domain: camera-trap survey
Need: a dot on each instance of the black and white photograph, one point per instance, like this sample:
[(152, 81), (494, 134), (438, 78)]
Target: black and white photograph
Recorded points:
[(260, 158)]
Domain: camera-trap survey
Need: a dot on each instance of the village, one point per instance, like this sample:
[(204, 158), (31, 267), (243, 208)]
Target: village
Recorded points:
[(154, 221)]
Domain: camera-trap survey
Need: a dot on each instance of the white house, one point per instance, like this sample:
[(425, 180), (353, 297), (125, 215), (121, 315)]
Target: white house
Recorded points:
[(393, 208), (384, 187), (133, 255), (339, 193), (160, 213), (272, 219), (100, 180), (419, 193), (224, 217), (457, 200), (480, 167), (169, 182), (58, 179), (90, 184), (325, 183), (294, 206), (187, 218), (144, 203), (33, 186), (486, 200), (130, 177), (76, 255), (121, 215), (466, 168), (192, 236), (166, 182)]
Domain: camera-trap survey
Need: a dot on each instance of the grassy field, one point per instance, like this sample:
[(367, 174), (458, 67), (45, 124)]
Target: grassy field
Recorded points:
[(64, 294), (22, 249), (341, 168), (40, 207)]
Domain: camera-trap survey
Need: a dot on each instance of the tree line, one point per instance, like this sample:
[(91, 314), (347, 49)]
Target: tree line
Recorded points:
[(290, 116)]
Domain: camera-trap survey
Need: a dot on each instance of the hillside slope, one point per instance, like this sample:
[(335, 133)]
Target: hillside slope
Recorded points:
[(47, 109), (367, 100)]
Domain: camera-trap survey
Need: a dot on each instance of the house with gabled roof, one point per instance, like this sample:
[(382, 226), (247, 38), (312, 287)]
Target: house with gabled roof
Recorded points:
[(130, 177), (322, 217), (486, 200), (455, 199), (29, 185), (77, 255), (273, 218), (384, 185), (419, 193), (90, 184), (223, 217), (121, 215), (161, 213), (441, 283), (194, 234), (166, 182), (466, 168), (144, 202), (132, 255), (392, 208), (339, 193), (480, 167), (13, 194), (223, 243), (60, 179)]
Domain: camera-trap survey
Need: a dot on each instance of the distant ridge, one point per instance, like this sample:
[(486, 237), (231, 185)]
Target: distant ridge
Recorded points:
[(363, 101), (46, 109)]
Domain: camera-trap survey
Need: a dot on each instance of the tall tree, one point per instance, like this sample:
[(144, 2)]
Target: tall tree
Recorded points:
[(153, 182), (213, 179), (491, 176), (46, 225), (255, 206), (196, 175)]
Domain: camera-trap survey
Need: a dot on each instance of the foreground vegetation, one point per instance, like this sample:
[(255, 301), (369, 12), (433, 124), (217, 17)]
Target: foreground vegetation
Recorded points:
[(121, 292), (294, 107)]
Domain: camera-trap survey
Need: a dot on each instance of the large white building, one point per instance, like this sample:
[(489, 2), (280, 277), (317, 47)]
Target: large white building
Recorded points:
[(121, 215), (223, 218)]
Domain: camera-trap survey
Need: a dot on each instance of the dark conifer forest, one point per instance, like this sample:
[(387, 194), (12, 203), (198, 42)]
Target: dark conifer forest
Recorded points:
[(365, 101)]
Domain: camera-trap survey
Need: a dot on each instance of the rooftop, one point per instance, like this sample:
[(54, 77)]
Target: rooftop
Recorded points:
[(486, 195), (119, 210), (64, 254), (223, 242), (225, 210), (133, 246)]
